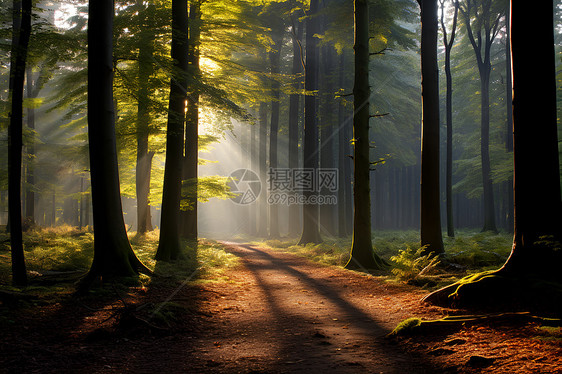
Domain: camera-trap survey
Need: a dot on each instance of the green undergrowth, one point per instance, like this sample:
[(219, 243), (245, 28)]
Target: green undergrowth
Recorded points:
[(468, 253), (57, 257)]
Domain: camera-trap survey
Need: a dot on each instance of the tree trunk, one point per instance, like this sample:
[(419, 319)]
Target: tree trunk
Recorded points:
[(169, 247), (274, 58), (448, 41), (534, 264), (343, 145), (189, 230), (262, 202), (113, 255), (20, 41), (30, 179), (294, 99), (144, 157), (362, 255), (430, 201), (310, 223), (538, 209)]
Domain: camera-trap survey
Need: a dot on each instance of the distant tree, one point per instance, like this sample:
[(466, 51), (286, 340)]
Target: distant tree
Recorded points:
[(482, 21), (362, 254), (310, 211), (294, 101), (534, 263), (21, 31), (430, 197), (275, 63), (448, 42), (113, 255), (144, 155), (169, 247)]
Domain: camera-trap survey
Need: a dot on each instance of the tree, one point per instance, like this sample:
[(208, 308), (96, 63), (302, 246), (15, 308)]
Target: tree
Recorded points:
[(275, 61), (482, 25), (21, 31), (310, 229), (294, 100), (113, 255), (144, 156), (448, 42), (430, 209), (191, 160), (362, 255), (534, 262), (169, 247)]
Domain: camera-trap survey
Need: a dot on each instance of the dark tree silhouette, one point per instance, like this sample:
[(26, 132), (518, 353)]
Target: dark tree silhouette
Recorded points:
[(430, 199), (113, 255), (310, 211), (20, 40), (362, 255), (448, 42), (169, 247)]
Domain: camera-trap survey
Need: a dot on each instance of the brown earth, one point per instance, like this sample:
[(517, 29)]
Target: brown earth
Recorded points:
[(278, 313)]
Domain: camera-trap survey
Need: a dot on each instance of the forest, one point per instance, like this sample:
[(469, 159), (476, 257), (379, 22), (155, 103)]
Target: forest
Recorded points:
[(275, 186)]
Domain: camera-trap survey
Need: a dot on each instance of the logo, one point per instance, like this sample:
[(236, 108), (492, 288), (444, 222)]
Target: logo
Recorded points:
[(245, 184)]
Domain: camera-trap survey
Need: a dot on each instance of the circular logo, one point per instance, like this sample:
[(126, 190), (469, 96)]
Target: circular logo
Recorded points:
[(245, 184)]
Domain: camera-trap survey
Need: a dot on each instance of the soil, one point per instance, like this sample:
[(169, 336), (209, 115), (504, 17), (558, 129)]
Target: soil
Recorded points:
[(277, 313)]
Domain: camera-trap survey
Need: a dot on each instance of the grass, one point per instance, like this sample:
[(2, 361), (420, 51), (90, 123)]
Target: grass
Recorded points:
[(65, 249), (469, 252)]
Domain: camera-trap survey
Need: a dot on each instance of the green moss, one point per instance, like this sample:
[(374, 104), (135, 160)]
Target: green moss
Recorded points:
[(406, 327)]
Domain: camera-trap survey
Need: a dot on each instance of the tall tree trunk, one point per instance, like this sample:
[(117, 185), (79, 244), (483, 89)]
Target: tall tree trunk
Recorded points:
[(430, 201), (343, 145), (448, 42), (30, 179), (169, 247), (189, 229), (20, 41), (144, 157), (538, 208), (262, 200), (481, 40), (274, 57), (362, 255), (113, 255), (294, 99), (532, 270), (509, 123), (310, 229)]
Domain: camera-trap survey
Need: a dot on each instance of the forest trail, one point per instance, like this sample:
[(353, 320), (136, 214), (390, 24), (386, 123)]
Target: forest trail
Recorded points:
[(282, 313), (274, 313)]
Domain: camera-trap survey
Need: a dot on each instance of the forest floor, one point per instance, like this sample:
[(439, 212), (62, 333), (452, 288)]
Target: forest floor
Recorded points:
[(276, 313)]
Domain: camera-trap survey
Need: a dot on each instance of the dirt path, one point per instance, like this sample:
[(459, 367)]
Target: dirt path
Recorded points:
[(285, 314), (277, 313)]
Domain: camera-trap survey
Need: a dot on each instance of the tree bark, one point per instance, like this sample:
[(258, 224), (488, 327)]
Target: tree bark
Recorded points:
[(113, 255), (20, 41), (362, 254), (190, 228), (430, 201), (538, 208), (448, 42), (169, 247)]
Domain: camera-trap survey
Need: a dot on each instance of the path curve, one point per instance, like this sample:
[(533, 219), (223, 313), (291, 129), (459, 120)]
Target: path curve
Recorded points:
[(282, 313)]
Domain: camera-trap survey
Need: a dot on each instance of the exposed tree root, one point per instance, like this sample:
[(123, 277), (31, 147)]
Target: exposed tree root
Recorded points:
[(500, 288), (412, 326)]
